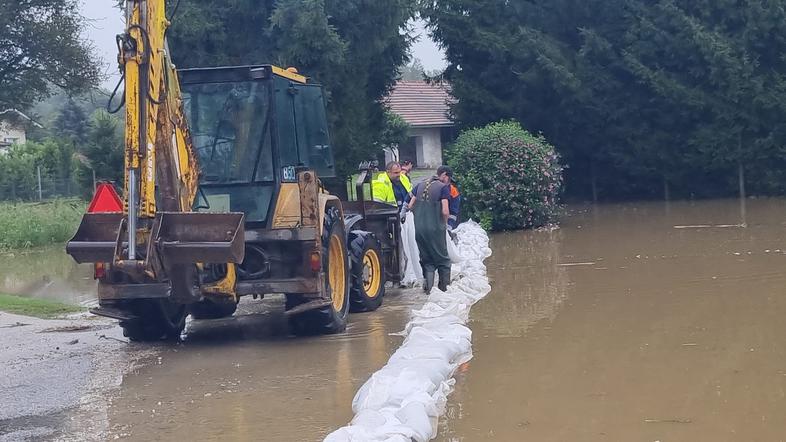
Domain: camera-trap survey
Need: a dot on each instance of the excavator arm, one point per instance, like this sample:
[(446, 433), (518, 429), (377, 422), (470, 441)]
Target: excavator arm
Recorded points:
[(157, 238), (158, 148)]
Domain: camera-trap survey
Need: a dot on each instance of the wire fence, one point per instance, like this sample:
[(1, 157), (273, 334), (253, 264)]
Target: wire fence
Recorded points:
[(43, 189)]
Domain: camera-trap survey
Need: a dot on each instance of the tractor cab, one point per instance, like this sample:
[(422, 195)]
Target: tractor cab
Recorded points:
[(253, 127)]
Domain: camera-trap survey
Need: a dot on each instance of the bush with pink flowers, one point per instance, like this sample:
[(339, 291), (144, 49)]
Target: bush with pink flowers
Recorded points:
[(509, 178)]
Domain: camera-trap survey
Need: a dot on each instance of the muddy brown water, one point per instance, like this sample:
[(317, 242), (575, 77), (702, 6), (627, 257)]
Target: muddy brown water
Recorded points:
[(47, 273), (640, 322), (631, 322), (245, 379)]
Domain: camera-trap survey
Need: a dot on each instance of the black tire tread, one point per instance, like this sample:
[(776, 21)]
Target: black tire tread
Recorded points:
[(323, 320), (152, 324), (207, 309), (359, 242)]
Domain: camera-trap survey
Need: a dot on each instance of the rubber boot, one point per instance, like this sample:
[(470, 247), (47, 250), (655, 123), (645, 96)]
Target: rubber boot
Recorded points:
[(428, 281), (444, 278)]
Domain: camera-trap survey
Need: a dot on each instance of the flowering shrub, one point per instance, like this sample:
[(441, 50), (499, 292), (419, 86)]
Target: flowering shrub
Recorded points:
[(509, 178)]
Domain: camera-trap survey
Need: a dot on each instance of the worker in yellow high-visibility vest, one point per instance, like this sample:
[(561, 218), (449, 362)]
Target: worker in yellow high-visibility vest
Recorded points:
[(392, 186)]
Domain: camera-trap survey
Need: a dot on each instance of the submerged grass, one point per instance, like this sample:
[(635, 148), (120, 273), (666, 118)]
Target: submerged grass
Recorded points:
[(26, 225), (39, 308)]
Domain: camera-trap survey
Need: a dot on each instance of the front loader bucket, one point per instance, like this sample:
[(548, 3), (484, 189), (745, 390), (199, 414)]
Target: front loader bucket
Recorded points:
[(210, 238), (96, 237)]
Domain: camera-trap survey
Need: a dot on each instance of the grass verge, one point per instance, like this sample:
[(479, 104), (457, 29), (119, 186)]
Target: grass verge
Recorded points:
[(26, 225), (39, 308)]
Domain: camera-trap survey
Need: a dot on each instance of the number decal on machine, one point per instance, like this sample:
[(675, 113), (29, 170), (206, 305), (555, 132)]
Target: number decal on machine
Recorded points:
[(288, 173)]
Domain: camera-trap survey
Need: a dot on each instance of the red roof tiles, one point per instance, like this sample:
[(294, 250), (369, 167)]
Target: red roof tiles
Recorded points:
[(421, 104)]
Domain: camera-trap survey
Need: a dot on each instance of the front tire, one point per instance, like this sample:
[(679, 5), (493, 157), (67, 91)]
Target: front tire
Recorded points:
[(368, 272), (335, 263)]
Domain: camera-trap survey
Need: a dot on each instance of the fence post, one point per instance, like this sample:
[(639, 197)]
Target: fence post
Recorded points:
[(40, 196)]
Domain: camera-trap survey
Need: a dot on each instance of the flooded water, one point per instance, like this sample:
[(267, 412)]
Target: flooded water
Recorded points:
[(244, 379), (47, 273), (646, 322)]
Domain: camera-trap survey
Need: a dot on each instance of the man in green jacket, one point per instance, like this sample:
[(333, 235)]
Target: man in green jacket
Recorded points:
[(392, 186)]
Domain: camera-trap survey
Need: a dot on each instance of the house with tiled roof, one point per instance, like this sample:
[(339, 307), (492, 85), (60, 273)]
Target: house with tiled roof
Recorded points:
[(13, 128), (425, 107)]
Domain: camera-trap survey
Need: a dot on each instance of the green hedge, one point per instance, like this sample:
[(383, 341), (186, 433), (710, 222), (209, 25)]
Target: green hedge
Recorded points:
[(509, 178)]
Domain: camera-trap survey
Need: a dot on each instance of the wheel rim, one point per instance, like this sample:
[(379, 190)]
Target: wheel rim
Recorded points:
[(336, 275), (372, 273)]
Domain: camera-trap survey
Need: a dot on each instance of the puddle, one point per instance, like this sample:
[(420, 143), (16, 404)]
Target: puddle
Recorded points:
[(47, 273), (244, 378)]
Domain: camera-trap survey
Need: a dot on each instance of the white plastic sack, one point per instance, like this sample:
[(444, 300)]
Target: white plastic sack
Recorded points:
[(453, 251), (404, 399), (413, 274)]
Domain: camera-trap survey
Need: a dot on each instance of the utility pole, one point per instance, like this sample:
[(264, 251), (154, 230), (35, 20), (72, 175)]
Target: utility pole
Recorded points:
[(40, 193)]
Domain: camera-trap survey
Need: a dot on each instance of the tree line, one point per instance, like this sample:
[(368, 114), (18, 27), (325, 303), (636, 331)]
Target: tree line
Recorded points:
[(76, 144), (642, 98)]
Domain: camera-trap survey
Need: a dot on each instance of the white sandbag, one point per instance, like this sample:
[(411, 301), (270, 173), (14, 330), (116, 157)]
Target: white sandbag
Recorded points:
[(453, 251), (413, 274), (403, 400)]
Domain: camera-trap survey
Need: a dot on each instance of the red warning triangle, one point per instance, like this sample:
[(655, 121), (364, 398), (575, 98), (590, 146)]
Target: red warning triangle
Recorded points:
[(105, 200)]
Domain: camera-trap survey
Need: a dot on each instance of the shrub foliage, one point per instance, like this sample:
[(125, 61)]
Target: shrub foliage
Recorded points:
[(510, 179)]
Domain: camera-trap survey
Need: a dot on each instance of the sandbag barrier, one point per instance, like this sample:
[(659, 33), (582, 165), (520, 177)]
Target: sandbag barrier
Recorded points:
[(404, 399)]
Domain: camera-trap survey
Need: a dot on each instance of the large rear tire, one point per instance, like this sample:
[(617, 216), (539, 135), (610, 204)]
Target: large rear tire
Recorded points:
[(368, 272), (156, 319), (335, 262)]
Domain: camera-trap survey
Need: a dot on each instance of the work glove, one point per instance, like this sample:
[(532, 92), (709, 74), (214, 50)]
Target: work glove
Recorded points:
[(403, 213), (453, 235)]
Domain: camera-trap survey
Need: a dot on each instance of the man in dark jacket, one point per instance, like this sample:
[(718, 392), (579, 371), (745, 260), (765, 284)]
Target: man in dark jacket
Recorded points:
[(430, 206)]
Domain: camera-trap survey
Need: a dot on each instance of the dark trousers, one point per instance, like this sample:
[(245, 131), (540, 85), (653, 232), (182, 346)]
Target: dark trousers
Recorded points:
[(434, 257)]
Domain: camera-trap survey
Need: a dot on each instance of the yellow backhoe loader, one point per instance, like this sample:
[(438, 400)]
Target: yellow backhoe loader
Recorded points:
[(222, 198)]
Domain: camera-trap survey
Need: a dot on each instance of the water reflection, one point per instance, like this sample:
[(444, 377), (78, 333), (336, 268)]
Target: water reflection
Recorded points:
[(47, 273), (663, 322), (529, 275)]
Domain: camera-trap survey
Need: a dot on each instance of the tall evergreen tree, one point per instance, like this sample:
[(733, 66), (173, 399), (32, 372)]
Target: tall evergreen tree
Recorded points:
[(352, 47), (71, 123), (635, 94)]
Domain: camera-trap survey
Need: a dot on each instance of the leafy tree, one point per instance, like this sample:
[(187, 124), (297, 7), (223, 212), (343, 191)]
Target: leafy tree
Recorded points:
[(352, 47), (395, 133), (510, 179), (19, 168), (18, 173), (102, 152), (636, 95), (41, 46)]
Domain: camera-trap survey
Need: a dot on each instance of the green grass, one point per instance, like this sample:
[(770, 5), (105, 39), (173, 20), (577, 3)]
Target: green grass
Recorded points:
[(26, 225), (39, 308)]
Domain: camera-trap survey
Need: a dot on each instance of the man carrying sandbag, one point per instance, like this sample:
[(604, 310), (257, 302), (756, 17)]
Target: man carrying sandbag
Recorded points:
[(429, 203)]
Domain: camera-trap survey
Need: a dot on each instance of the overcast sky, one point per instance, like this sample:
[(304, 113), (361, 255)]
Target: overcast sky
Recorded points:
[(106, 22)]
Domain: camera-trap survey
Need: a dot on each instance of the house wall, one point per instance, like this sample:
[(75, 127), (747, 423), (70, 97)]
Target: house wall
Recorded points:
[(10, 133), (428, 146)]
